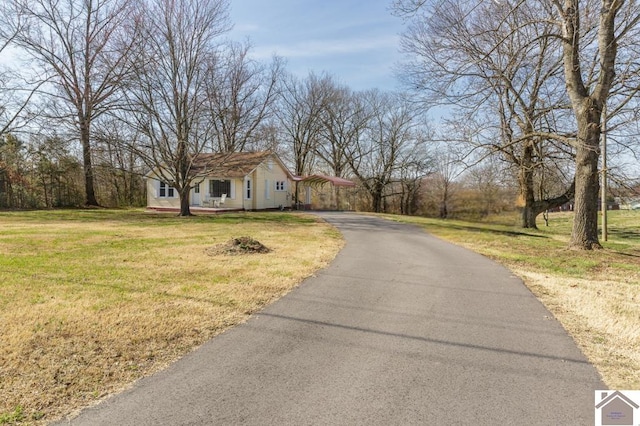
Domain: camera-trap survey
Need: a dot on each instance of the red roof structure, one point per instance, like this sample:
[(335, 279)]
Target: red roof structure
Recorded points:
[(322, 179)]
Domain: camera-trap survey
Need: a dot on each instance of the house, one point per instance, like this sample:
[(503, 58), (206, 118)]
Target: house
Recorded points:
[(236, 181), (628, 203)]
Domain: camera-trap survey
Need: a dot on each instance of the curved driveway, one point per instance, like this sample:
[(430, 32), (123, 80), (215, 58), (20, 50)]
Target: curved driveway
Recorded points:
[(401, 329)]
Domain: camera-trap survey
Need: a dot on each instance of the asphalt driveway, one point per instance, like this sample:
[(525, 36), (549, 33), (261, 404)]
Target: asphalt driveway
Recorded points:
[(401, 329)]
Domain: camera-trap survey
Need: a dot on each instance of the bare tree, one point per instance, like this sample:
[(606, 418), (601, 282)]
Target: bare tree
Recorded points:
[(343, 121), (393, 138), (79, 48), (57, 173), (14, 98), (589, 84), (240, 95), (590, 34), (413, 166), (119, 168), (268, 137), (167, 103), (344, 118), (488, 192), (499, 67), (7, 34), (447, 170), (299, 115)]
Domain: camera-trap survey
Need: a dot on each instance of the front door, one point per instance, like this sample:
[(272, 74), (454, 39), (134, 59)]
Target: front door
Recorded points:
[(195, 195)]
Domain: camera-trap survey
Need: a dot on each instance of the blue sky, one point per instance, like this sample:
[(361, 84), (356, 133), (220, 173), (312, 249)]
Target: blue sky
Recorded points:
[(354, 40)]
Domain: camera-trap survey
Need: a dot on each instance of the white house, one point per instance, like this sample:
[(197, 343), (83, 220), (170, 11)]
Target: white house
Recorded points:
[(237, 181)]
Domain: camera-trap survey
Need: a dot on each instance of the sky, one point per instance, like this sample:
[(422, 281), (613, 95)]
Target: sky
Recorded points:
[(356, 41)]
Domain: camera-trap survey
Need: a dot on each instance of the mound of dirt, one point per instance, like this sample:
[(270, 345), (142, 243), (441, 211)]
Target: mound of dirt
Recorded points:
[(240, 245)]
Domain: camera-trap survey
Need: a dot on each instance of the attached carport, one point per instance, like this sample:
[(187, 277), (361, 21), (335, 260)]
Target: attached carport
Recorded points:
[(322, 192)]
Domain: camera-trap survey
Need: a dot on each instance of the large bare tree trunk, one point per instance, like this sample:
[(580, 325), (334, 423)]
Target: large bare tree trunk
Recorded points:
[(185, 210), (377, 197), (584, 234), (587, 105), (85, 139), (533, 207), (525, 183)]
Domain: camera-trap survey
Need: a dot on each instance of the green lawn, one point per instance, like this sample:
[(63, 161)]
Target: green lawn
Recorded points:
[(91, 300)]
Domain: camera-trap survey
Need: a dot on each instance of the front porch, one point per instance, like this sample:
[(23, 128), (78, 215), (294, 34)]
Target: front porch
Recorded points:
[(195, 210)]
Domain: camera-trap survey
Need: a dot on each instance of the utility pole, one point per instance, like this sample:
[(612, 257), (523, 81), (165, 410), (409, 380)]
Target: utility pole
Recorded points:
[(603, 186)]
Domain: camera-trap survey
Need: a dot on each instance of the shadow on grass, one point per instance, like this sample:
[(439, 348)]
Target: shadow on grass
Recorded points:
[(627, 254), (486, 230), (625, 233)]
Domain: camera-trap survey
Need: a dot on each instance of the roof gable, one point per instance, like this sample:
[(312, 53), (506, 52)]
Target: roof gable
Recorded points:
[(233, 165)]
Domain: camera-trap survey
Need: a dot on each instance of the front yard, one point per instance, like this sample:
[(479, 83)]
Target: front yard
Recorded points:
[(91, 300)]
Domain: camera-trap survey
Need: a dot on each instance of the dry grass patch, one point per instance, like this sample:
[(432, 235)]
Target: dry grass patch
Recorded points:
[(92, 300), (602, 316), (595, 294)]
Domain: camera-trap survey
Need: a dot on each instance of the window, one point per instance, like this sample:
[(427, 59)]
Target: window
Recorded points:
[(248, 189), (166, 191), (219, 187), (280, 185), (196, 189)]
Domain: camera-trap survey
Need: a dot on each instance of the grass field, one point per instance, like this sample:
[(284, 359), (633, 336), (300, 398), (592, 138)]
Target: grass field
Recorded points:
[(594, 294), (91, 300)]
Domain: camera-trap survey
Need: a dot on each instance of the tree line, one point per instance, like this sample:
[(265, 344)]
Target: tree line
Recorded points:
[(109, 89), (135, 84), (534, 83)]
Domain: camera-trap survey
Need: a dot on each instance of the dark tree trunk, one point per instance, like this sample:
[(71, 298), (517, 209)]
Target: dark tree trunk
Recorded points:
[(90, 195), (444, 212), (531, 211), (584, 234), (528, 217), (378, 198), (377, 202), (185, 209), (527, 190), (533, 208), (588, 110)]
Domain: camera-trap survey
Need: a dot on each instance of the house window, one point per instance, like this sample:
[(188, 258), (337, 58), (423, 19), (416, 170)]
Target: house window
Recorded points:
[(166, 191), (219, 187), (280, 185), (248, 189), (196, 189)]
